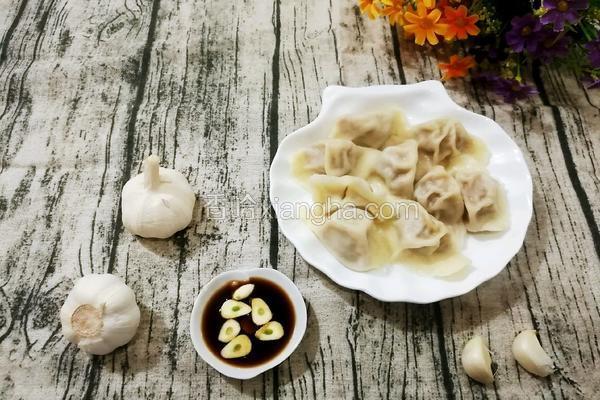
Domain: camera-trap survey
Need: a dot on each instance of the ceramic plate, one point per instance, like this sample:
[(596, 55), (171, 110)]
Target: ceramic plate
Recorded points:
[(421, 102)]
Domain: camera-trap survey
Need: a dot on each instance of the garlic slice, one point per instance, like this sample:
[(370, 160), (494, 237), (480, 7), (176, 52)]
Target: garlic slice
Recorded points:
[(530, 355), (261, 313), (238, 347), (243, 291), (270, 331), (476, 360), (233, 309), (230, 329)]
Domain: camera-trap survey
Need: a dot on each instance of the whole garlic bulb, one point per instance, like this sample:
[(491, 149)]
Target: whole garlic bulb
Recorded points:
[(99, 314), (158, 202)]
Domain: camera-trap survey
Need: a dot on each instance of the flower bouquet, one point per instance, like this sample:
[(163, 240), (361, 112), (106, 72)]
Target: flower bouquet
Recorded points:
[(498, 43)]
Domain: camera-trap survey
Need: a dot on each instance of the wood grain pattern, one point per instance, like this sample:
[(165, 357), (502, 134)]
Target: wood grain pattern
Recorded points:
[(87, 90)]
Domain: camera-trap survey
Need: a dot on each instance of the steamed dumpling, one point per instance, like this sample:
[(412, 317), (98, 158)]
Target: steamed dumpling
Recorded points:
[(440, 139), (333, 193), (428, 244), (397, 166), (365, 176), (484, 200), (328, 189), (424, 164), (419, 230), (336, 157), (370, 130), (346, 234), (340, 157), (309, 161), (440, 194)]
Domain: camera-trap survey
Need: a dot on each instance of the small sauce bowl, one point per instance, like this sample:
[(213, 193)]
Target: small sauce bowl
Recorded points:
[(217, 283)]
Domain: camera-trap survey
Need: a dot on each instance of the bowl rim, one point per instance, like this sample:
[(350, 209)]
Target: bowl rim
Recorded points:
[(216, 283), (435, 88)]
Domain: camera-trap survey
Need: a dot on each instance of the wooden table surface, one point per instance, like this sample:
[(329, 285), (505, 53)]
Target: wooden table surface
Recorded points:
[(89, 89)]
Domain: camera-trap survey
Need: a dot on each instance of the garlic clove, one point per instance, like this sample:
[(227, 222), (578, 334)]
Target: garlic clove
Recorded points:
[(270, 331), (233, 309), (158, 202), (476, 361), (238, 347), (530, 355), (243, 291), (230, 329), (261, 313)]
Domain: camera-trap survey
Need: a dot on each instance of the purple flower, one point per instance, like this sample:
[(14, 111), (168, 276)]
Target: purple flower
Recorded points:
[(559, 12), (552, 46), (524, 34), (511, 89), (485, 78), (591, 82), (593, 49), (595, 84)]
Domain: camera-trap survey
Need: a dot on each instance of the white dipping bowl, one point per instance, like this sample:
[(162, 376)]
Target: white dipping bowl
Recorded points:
[(208, 290)]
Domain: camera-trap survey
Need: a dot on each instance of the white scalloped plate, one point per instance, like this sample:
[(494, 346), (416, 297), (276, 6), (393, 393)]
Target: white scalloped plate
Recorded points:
[(421, 102)]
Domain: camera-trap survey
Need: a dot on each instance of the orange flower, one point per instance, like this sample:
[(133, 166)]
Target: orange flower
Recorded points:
[(460, 25), (457, 67), (424, 24), (429, 3), (394, 10), (370, 7)]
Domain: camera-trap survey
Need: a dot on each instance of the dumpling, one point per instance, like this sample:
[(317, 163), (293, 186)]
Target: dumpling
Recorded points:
[(333, 193), (440, 194), (371, 130), (484, 200), (428, 244), (340, 157), (365, 178), (309, 161), (445, 261), (366, 162), (440, 139), (418, 230), (346, 234), (334, 157), (326, 188), (472, 151), (424, 164), (397, 166)]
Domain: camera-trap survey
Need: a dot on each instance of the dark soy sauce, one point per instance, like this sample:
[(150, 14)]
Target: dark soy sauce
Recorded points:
[(283, 312)]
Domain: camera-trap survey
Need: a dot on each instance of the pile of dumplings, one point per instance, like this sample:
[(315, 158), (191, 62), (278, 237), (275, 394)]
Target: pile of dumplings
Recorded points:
[(385, 192)]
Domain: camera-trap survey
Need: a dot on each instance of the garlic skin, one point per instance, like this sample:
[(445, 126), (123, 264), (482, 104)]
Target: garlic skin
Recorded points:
[(530, 355), (476, 361), (158, 202), (99, 314)]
